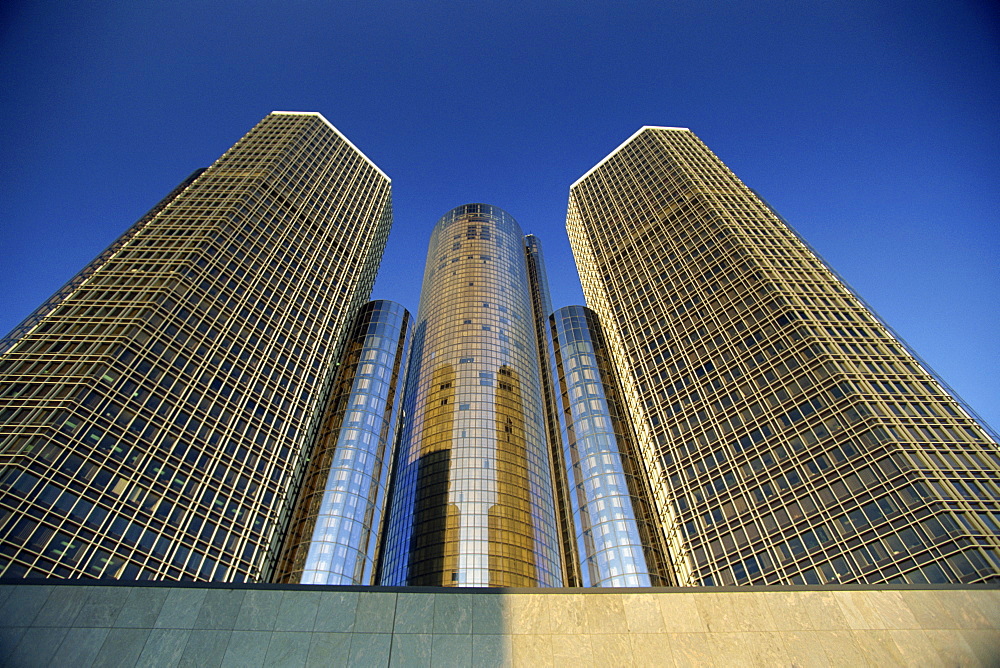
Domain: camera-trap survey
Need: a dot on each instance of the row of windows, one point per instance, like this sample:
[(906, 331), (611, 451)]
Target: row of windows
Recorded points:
[(607, 222), (234, 491)]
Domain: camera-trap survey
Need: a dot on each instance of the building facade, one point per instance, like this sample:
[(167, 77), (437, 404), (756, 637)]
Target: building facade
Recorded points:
[(615, 536), (213, 399), (335, 533), (789, 437), (472, 502), (156, 412)]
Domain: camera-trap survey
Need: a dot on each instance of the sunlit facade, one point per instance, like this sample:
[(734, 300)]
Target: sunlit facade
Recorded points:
[(616, 537), (472, 496), (156, 413), (335, 533), (790, 438), (213, 397)]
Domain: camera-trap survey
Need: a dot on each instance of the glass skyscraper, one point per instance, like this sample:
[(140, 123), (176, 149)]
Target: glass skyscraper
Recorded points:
[(156, 412), (472, 499), (788, 436), (616, 538), (214, 398), (334, 537)]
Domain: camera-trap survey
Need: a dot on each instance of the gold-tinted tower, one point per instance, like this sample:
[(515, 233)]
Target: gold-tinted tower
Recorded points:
[(790, 438), (157, 411), (472, 500)]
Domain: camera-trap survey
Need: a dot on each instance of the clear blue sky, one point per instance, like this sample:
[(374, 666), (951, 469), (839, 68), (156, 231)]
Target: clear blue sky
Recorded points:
[(871, 126)]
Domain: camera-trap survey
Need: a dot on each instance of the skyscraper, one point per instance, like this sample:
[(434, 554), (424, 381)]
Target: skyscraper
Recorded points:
[(335, 534), (472, 496), (789, 437), (157, 411), (214, 398), (614, 535)]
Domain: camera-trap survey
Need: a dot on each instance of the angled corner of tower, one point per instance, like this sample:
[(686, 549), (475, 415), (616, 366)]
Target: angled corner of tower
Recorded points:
[(632, 137), (338, 133)]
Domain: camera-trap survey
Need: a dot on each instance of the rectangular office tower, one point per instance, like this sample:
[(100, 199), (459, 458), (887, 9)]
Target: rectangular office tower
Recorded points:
[(156, 412), (788, 436)]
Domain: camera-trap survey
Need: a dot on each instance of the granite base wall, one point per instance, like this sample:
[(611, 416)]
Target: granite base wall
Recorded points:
[(50, 623)]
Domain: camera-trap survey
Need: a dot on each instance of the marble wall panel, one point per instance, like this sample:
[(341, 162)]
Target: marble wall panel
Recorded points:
[(176, 625)]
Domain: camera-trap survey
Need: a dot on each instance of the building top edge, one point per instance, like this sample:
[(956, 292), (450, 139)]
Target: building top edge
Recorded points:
[(622, 145), (491, 210), (386, 304), (492, 207), (339, 134), (573, 307)]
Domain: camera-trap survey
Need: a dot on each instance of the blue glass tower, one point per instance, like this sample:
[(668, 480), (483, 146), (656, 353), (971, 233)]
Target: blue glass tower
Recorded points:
[(615, 540), (334, 537)]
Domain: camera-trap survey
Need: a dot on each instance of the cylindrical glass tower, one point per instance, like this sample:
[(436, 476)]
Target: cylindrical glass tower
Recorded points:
[(617, 541), (334, 536), (472, 501)]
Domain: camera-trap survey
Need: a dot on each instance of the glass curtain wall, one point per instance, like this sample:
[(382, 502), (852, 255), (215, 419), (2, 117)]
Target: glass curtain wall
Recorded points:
[(472, 502), (157, 411), (790, 437), (334, 538), (616, 537)]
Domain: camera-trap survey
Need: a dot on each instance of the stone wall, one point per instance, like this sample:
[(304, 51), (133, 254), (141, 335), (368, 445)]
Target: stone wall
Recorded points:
[(52, 623)]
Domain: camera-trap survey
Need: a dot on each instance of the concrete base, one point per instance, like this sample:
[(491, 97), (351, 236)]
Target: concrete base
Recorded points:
[(84, 623)]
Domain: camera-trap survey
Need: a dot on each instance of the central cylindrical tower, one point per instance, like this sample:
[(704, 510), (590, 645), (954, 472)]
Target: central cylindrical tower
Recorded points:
[(472, 503)]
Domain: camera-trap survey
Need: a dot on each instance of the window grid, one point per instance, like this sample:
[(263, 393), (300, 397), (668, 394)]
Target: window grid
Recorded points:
[(745, 348), (199, 344)]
